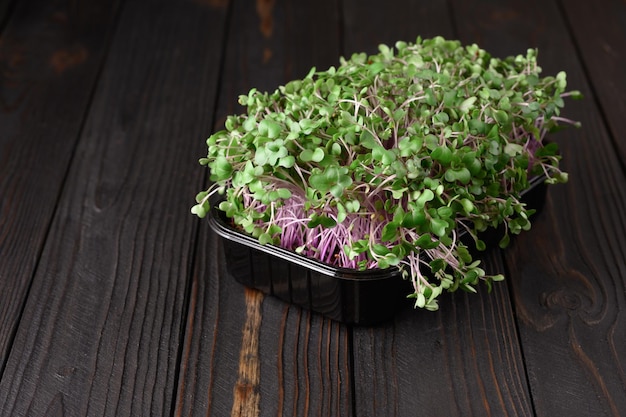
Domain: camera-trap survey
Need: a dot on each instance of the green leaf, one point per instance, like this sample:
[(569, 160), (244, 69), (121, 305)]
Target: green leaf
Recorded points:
[(376, 67), (467, 104), (426, 196), (576, 95), (386, 157), (284, 193), (445, 212), (462, 174), (431, 183), (478, 127), (330, 177), (425, 241), (414, 219), (441, 118), (442, 154), (380, 250), (308, 155), (261, 157), (498, 277), (249, 124), (323, 220), (269, 128), (265, 239), (513, 149), (287, 161), (221, 169), (390, 232), (420, 301), (199, 210), (464, 254), (550, 149), (430, 98), (438, 226), (398, 193), (367, 140), (337, 190), (468, 206), (449, 98), (201, 196), (353, 206), (341, 213), (307, 126), (437, 265), (501, 117), (561, 79)]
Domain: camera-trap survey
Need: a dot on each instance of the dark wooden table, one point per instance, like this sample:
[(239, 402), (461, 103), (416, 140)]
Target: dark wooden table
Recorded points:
[(114, 299)]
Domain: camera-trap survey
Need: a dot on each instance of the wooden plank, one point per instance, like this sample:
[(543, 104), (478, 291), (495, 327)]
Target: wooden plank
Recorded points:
[(246, 354), (50, 55), (568, 273), (464, 359), (600, 35), (217, 313), (101, 332), (368, 24), (5, 7), (310, 372)]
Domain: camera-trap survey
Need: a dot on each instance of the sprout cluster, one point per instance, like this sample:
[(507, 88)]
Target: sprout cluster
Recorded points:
[(386, 159)]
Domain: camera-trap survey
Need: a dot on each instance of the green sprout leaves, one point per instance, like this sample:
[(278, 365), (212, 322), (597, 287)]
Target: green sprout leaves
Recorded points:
[(269, 128), (333, 179), (309, 155), (462, 175), (274, 154), (387, 160), (221, 169)]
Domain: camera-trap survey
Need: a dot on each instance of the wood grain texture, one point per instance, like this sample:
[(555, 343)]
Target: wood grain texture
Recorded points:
[(5, 11), (213, 342), (305, 359), (116, 301), (464, 359), (600, 34), (101, 331), (568, 274), (309, 372), (246, 392), (367, 24), (49, 60)]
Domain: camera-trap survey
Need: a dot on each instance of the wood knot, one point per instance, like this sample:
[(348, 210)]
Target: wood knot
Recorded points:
[(564, 299)]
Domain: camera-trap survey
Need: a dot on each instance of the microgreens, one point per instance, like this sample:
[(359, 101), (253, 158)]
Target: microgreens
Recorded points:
[(386, 159)]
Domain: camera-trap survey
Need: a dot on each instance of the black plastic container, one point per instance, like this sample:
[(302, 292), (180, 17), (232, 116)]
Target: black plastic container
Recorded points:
[(350, 296)]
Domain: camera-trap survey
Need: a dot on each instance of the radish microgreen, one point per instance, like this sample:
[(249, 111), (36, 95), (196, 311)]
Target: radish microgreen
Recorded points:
[(384, 160)]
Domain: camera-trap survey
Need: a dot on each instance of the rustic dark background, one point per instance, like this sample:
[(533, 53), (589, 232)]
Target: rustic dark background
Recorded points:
[(114, 299)]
